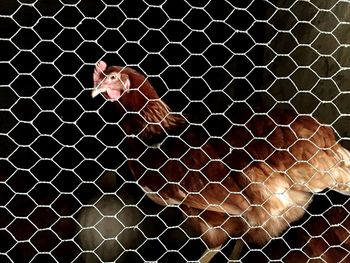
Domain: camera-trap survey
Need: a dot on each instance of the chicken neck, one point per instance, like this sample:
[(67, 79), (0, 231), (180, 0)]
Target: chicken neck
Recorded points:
[(154, 122)]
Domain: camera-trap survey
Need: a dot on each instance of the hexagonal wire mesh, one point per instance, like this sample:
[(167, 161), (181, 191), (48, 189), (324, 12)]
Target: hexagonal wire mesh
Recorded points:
[(231, 169)]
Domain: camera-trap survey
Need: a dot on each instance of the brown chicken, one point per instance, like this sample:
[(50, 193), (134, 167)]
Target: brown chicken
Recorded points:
[(250, 183)]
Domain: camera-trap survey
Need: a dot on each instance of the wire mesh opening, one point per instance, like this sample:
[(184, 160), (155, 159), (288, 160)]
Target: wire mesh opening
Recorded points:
[(262, 86)]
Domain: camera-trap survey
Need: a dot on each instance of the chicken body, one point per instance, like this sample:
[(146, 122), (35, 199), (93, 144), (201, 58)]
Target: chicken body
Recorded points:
[(251, 183)]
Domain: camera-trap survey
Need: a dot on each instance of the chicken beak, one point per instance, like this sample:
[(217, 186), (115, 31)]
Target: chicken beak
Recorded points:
[(97, 91)]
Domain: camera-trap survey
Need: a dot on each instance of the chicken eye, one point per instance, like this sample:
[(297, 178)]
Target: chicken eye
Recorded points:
[(112, 76)]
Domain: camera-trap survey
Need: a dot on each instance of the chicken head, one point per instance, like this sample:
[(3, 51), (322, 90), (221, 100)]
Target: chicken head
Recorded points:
[(111, 83)]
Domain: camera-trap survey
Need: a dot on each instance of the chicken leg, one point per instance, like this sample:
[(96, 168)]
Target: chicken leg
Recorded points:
[(209, 254), (237, 249)]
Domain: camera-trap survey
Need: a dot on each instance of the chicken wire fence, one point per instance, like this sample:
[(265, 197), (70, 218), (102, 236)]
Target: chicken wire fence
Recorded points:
[(67, 194)]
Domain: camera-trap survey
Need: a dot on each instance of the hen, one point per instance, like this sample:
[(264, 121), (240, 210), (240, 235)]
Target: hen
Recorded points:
[(251, 183)]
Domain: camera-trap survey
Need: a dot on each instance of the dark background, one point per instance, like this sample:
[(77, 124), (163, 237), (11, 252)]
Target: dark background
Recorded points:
[(58, 145)]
